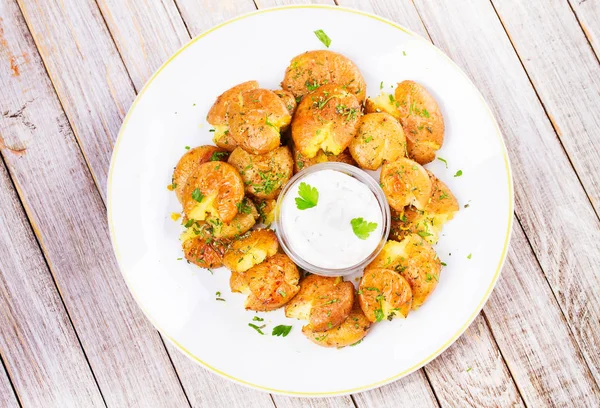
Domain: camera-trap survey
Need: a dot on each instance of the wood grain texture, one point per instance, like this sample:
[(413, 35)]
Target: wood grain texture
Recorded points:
[(548, 39), (534, 337), (86, 71), (8, 399), (293, 402), (410, 391), (588, 14), (200, 15), (551, 204), (146, 33), (37, 341), (68, 217), (274, 3)]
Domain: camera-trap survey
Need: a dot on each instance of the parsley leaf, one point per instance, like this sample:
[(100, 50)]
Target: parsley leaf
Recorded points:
[(361, 228), (257, 319), (217, 156), (379, 315), (458, 173), (324, 38), (309, 196), (443, 161), (197, 195), (469, 256), (257, 328), (281, 330)]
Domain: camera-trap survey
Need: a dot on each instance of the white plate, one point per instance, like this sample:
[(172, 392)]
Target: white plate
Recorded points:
[(179, 299)]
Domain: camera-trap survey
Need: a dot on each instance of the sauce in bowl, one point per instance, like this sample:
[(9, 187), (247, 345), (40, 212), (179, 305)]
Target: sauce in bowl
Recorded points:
[(332, 219)]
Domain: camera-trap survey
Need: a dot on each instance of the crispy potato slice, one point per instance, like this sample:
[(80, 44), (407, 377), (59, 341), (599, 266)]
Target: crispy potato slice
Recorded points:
[(241, 223), (200, 248), (383, 103), (421, 119), (257, 119), (313, 69), (427, 223), (288, 99), (384, 294), (350, 332), (215, 188), (379, 139), (301, 162), (325, 120), (266, 211), (250, 250), (264, 175), (324, 301), (189, 163), (416, 260), (405, 182), (269, 285), (218, 115)]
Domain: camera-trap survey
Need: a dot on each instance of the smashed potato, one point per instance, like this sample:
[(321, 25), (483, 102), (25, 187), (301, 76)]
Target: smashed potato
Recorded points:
[(313, 69), (288, 99), (405, 182), (384, 294), (241, 223), (427, 223), (214, 189), (324, 301), (379, 139), (251, 250), (416, 260), (301, 162), (189, 162), (263, 175), (256, 120), (269, 285), (266, 211), (200, 248), (218, 115), (350, 332), (421, 119), (326, 120)]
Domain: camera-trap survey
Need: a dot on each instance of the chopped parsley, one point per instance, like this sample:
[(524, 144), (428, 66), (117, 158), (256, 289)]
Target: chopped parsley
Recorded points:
[(458, 173), (243, 207), (309, 196), (381, 85), (361, 228), (324, 38), (358, 342), (281, 330), (217, 156), (257, 328), (443, 161), (257, 319), (189, 223), (469, 256), (469, 369), (269, 123), (368, 139), (187, 148), (197, 195), (379, 315), (311, 86)]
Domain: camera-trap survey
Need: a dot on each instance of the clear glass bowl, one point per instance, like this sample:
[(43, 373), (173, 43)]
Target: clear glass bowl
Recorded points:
[(357, 174)]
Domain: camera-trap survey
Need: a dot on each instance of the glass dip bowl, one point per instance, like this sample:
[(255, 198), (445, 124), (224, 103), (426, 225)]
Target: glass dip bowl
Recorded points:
[(285, 230)]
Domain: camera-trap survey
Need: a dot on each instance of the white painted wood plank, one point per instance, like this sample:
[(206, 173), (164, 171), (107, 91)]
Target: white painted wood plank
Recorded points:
[(588, 14), (87, 72), (410, 391), (551, 204), (68, 217), (200, 15), (261, 4), (566, 75), (7, 395), (37, 341), (293, 402)]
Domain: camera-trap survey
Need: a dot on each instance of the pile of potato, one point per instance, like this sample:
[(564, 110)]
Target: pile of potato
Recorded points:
[(262, 137)]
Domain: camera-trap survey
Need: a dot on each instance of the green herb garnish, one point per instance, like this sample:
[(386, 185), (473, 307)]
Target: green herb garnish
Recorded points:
[(257, 319), (217, 156), (324, 38), (469, 256), (361, 228), (309, 196), (458, 173), (197, 195), (443, 161), (257, 328), (281, 330)]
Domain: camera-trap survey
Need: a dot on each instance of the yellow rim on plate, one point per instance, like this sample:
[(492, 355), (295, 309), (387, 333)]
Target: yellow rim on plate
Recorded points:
[(351, 390)]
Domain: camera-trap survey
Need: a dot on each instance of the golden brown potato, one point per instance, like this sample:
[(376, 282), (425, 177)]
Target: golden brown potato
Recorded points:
[(324, 301), (421, 119), (269, 285), (301, 162), (264, 175), (313, 69), (288, 99), (405, 182), (384, 294), (350, 332), (241, 223), (383, 103), (189, 163), (416, 260), (325, 120), (427, 223), (200, 248), (256, 120), (379, 139), (250, 250), (266, 211), (215, 188), (218, 115)]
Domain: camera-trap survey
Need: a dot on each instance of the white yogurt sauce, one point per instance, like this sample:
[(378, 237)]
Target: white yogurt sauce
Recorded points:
[(322, 235)]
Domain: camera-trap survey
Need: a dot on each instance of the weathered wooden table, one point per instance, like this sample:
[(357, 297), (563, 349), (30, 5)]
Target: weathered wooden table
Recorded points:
[(72, 336)]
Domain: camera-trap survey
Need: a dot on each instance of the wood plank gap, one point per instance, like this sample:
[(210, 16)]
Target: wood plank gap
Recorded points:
[(12, 179), (585, 33), (569, 328), (556, 130), (435, 395), (162, 340), (182, 19), (10, 381)]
